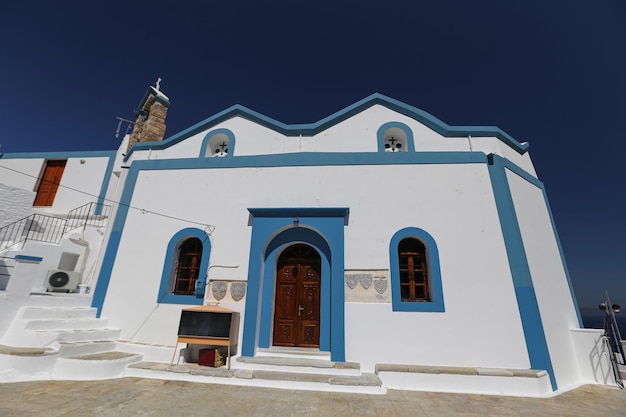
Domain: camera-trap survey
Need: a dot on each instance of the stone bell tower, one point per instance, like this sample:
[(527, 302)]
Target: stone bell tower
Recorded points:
[(150, 117)]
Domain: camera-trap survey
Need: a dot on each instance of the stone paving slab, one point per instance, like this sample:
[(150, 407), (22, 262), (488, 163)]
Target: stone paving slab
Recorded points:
[(24, 351), (162, 398)]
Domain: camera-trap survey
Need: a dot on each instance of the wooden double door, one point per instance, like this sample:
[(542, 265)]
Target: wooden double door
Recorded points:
[(297, 298)]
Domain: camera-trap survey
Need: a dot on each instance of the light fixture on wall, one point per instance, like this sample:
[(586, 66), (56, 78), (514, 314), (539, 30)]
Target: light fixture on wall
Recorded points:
[(296, 222)]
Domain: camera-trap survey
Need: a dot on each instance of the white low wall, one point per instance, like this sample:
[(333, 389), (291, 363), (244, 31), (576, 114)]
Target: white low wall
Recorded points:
[(593, 356)]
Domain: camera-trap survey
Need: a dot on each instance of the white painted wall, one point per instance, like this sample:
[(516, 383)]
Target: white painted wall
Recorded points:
[(80, 184), (557, 308), (481, 325), (15, 204)]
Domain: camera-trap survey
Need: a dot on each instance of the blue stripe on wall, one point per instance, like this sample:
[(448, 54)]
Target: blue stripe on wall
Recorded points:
[(312, 129), (532, 325), (525, 175)]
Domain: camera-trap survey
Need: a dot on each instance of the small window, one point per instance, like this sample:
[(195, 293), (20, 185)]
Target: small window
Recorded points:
[(188, 268), (218, 143), (415, 272), (186, 263), (395, 137)]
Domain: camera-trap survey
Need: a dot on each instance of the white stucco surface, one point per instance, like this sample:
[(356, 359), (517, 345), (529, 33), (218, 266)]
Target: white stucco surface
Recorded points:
[(558, 312), (15, 204), (80, 184), (457, 209)]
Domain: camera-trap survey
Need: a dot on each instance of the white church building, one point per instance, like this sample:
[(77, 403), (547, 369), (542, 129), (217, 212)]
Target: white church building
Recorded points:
[(378, 241)]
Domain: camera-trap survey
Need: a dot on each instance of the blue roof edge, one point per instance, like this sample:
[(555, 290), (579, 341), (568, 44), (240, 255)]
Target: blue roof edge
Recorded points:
[(314, 128)]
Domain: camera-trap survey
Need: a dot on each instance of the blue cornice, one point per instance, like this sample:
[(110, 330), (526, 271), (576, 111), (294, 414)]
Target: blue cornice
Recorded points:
[(312, 129), (158, 96), (58, 155)]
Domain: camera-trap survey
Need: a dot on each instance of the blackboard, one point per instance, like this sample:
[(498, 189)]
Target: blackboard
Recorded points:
[(204, 324)]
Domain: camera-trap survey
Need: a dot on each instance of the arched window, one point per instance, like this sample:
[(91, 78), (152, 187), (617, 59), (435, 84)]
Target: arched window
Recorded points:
[(415, 271), (218, 143), (395, 137), (188, 268), (186, 263)]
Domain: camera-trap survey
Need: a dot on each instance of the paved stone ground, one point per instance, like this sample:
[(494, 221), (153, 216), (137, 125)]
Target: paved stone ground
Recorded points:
[(128, 397)]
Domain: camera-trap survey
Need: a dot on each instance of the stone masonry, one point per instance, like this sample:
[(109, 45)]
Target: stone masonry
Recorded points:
[(150, 121)]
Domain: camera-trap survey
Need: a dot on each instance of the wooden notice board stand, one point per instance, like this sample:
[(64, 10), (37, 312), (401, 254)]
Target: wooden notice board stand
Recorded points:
[(208, 325)]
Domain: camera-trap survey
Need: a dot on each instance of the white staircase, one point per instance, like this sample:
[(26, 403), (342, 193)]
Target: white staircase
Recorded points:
[(58, 336)]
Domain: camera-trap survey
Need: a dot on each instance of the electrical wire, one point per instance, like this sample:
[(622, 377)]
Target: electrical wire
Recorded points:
[(207, 227)]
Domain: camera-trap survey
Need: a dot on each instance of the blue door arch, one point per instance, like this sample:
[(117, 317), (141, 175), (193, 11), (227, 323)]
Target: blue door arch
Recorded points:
[(272, 231)]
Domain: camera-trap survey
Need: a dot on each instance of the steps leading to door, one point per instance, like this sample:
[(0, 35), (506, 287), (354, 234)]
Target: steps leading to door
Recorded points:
[(280, 377)]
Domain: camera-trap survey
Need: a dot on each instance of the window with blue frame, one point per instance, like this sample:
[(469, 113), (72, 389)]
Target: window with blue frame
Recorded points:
[(218, 143), (185, 267), (188, 267), (415, 272), (395, 137)]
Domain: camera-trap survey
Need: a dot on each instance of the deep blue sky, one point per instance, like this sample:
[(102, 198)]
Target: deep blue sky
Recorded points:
[(550, 73)]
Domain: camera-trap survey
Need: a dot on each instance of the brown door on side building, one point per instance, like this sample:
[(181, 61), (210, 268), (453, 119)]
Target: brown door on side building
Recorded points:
[(49, 183), (297, 298)]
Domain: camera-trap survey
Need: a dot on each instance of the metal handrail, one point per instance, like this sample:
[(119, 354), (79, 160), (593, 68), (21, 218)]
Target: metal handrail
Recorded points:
[(50, 229), (613, 338), (90, 214)]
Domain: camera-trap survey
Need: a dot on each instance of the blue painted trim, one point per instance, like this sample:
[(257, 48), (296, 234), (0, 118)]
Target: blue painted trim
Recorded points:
[(26, 258), (299, 159), (523, 174), (301, 212), (276, 246), (110, 253), (207, 138), (536, 343), (434, 272), (158, 96), (272, 230), (169, 268), (314, 128), (410, 143), (58, 155), (105, 183), (315, 159)]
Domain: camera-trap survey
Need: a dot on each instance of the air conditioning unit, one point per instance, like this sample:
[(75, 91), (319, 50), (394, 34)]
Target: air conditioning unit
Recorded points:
[(60, 280)]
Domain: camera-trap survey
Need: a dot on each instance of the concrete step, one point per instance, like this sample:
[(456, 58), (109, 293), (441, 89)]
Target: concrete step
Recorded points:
[(62, 324), (85, 347), (39, 312), (364, 383), (499, 381), (45, 338), (50, 299), (26, 363), (299, 365), (87, 334), (101, 365), (292, 352)]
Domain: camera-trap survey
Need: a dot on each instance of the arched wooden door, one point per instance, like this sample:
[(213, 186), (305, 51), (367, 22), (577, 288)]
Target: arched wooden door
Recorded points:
[(297, 298)]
